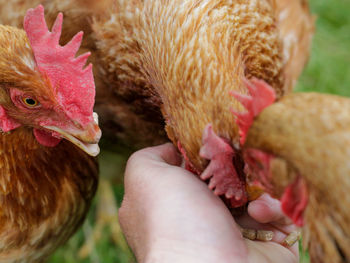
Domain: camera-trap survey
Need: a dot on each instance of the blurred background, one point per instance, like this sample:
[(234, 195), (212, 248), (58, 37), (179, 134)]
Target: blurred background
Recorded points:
[(328, 71)]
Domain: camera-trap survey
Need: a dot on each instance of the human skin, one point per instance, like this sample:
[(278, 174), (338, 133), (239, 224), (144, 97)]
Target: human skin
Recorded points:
[(169, 215)]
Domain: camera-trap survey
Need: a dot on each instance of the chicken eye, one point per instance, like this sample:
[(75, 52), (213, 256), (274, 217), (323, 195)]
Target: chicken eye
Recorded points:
[(30, 102)]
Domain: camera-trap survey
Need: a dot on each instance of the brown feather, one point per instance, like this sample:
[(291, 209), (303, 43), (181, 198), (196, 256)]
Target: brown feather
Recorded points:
[(45, 195)]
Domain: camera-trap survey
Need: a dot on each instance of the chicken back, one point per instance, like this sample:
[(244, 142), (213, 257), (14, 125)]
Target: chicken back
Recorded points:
[(297, 149)]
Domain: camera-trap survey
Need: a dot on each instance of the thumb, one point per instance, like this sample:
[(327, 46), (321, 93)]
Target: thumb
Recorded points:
[(165, 153)]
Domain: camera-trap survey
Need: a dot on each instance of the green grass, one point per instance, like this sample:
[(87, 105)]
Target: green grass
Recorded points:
[(327, 72)]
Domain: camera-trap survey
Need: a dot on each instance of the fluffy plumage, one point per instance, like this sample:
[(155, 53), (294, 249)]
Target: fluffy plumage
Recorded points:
[(298, 150)]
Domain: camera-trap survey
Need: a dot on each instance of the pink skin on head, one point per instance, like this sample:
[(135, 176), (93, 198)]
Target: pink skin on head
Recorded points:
[(294, 199), (221, 171), (257, 163), (7, 124), (260, 96), (46, 138), (74, 85)]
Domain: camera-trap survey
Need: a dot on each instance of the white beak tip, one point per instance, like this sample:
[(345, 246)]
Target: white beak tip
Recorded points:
[(95, 116)]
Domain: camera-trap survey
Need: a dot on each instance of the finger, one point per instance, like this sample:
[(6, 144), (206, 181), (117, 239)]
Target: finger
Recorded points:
[(267, 210), (165, 153), (142, 179), (247, 222), (146, 168), (145, 161), (279, 235)]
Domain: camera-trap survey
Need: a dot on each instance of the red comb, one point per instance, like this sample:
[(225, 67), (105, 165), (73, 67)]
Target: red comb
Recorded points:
[(260, 96), (73, 83)]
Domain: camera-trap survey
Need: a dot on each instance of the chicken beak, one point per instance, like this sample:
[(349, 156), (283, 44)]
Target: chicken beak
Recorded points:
[(86, 138)]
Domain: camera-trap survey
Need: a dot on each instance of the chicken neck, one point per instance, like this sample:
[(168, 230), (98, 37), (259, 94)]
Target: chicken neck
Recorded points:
[(40, 187)]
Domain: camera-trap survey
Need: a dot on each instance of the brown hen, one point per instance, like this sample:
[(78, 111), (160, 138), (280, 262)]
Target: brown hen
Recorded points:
[(47, 181), (298, 150)]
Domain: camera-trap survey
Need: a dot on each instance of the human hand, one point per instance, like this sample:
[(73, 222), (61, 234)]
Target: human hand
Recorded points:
[(169, 215)]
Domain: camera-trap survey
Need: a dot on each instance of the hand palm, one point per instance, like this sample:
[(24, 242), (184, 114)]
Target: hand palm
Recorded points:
[(179, 216)]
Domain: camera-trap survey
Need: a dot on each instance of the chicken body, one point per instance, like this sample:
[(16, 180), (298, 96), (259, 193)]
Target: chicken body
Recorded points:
[(45, 195), (308, 135), (47, 181)]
